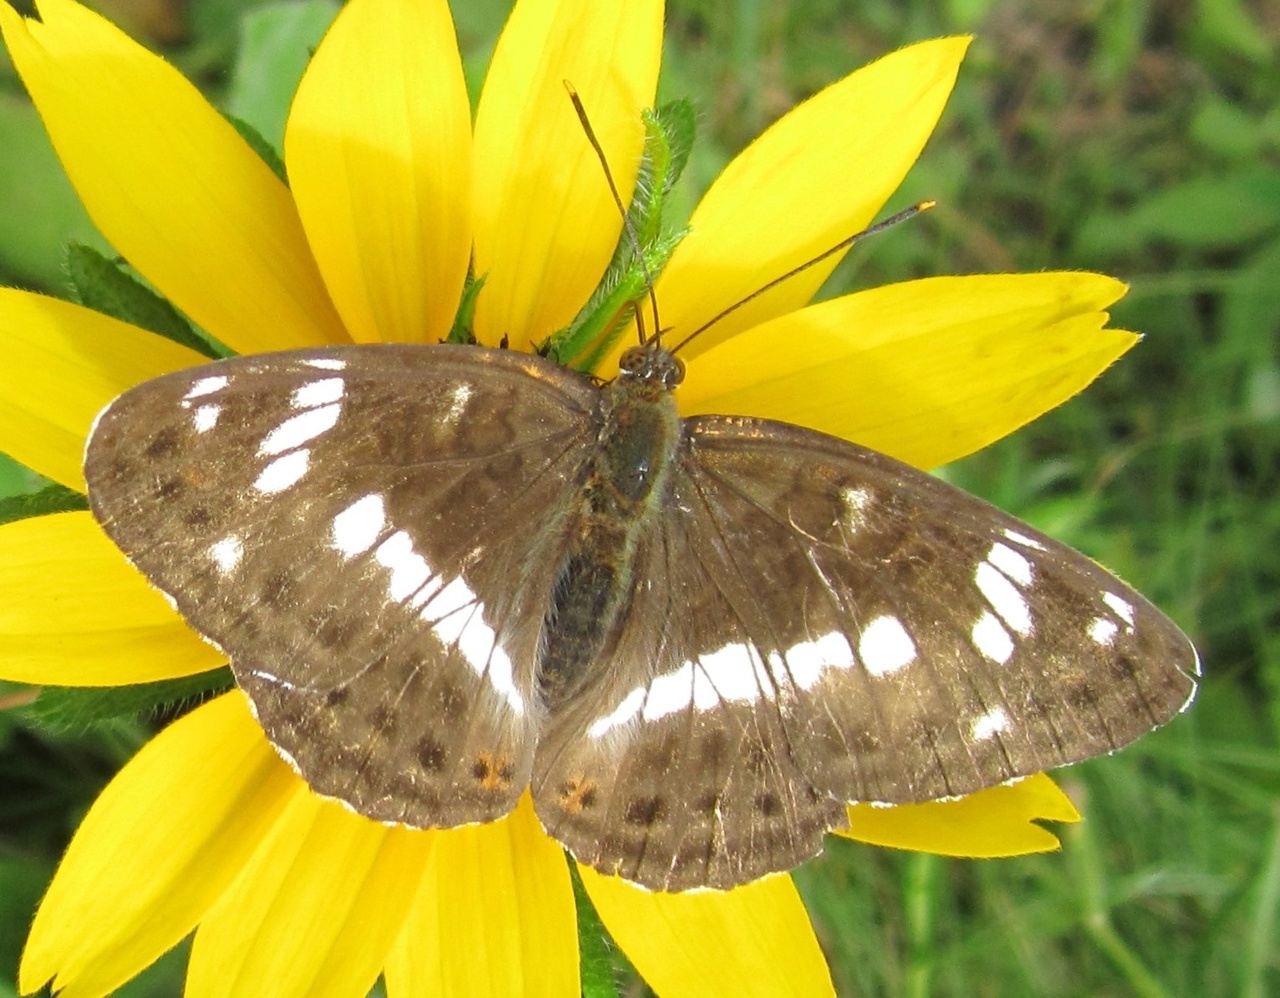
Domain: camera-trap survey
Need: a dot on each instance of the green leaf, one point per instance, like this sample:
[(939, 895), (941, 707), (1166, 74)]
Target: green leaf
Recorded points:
[(53, 498), (276, 42), (17, 479), (1213, 212), (78, 708), (39, 209), (265, 150), (105, 286)]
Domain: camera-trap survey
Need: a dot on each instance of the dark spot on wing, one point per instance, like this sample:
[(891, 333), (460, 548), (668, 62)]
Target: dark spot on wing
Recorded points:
[(164, 443), (767, 804), (645, 811), (198, 517), (384, 718), (337, 632), (430, 753), (336, 696), (278, 589), (170, 489)]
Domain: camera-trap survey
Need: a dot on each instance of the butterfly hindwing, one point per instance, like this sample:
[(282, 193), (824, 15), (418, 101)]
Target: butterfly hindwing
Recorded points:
[(686, 779), (371, 586)]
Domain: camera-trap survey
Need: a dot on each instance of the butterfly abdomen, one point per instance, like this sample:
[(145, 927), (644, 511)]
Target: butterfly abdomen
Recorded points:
[(626, 483)]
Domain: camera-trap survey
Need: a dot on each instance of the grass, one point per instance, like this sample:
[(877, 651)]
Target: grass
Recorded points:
[(1135, 137)]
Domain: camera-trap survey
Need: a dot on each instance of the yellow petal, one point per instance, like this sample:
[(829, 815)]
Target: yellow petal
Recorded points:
[(62, 364), (995, 822), (157, 848), (753, 940), (925, 371), (75, 613), (169, 182), (379, 152), (545, 224), (314, 911), (817, 176), (494, 916)]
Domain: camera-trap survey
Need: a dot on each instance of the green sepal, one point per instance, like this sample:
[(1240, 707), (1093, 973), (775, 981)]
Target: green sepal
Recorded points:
[(677, 123), (105, 286), (80, 708), (265, 150), (598, 955), (53, 498), (643, 248), (463, 328)]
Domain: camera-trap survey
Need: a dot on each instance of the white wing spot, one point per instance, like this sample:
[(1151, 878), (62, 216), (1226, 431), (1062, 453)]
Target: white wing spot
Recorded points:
[(226, 553), (1122, 607), (326, 363), (323, 392), (476, 641), (1016, 566), (736, 672), (1103, 631), (990, 724), (458, 403), (453, 597), (668, 693), (620, 715), (283, 472), (357, 527), (1004, 598), (1023, 540), (885, 646), (207, 386), (991, 638), (856, 503), (409, 571), (297, 430), (806, 661), (206, 418)]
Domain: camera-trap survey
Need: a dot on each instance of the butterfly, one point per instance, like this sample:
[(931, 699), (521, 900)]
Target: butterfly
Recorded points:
[(444, 574)]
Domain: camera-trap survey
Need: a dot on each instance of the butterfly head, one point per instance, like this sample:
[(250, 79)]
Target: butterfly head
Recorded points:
[(652, 364)]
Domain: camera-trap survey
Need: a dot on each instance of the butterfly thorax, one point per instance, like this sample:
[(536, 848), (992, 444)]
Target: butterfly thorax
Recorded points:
[(624, 488)]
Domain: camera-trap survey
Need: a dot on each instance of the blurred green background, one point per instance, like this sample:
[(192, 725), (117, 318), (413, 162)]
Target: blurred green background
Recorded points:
[(1134, 137)]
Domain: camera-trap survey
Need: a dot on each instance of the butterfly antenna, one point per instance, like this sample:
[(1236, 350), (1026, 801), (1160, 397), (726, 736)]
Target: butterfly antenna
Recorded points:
[(839, 247), (627, 227)]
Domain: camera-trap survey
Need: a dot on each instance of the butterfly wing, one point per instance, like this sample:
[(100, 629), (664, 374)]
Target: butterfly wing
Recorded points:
[(379, 591), (673, 768), (941, 645), (846, 628)]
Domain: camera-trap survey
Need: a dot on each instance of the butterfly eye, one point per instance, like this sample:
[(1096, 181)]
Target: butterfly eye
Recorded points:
[(652, 364), (633, 361)]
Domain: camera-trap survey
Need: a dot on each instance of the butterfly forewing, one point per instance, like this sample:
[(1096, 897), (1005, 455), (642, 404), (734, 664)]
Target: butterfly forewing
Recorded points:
[(372, 555)]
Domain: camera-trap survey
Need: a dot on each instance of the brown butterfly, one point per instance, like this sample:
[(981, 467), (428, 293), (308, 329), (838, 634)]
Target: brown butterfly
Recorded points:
[(446, 573)]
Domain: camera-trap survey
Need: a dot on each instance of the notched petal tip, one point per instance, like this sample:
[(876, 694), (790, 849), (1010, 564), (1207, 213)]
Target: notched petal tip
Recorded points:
[(997, 822)]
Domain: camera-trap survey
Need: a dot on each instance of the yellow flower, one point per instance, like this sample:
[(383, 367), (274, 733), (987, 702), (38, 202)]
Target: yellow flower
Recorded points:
[(392, 193)]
